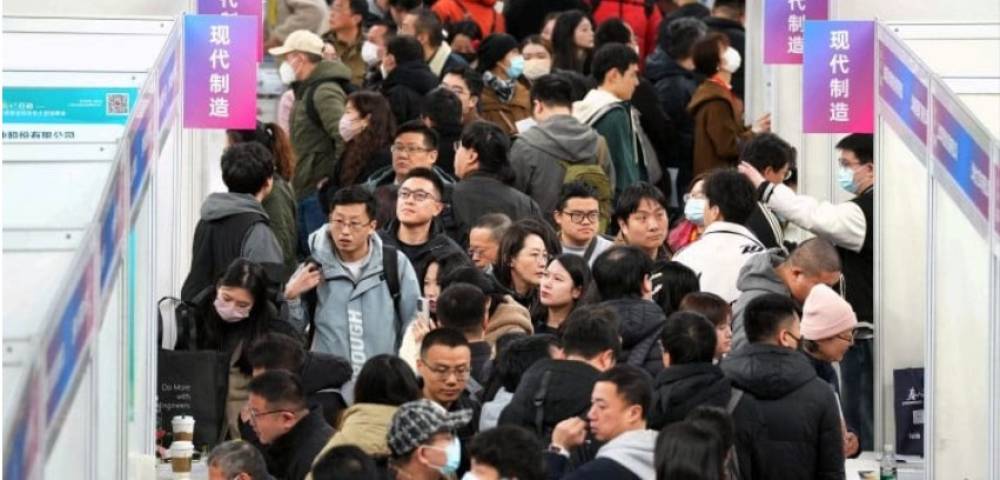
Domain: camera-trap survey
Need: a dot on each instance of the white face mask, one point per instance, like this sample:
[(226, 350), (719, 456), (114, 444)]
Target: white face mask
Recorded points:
[(536, 67), (369, 53), (286, 72), (350, 126), (385, 73), (731, 60)]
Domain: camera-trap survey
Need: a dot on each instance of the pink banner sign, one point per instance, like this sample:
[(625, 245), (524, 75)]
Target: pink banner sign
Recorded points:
[(252, 8), (838, 77), (220, 71), (784, 25)]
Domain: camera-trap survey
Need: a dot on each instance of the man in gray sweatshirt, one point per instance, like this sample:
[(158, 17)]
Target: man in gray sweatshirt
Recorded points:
[(538, 154)]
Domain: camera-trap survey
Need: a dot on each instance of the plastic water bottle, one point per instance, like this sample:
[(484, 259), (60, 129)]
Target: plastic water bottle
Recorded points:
[(887, 466)]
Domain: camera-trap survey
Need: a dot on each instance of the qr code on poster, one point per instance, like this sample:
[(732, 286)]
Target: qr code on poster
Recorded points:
[(117, 103)]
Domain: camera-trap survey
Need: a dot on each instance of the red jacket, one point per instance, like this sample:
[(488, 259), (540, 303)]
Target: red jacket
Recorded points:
[(480, 11), (632, 12)]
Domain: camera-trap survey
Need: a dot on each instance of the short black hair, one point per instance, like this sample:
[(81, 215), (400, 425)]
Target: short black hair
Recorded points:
[(513, 451), (630, 198), (429, 23), (689, 338), (676, 280), (738, 7), (577, 189), (473, 79), (705, 53), (768, 150), (612, 30), (469, 28), (591, 330), (386, 380), (732, 192), (358, 7), (431, 137), (677, 37), (443, 108), (519, 355), (711, 306), (354, 195), (632, 384), (462, 306), (446, 337), (406, 5), (492, 145), (405, 48), (767, 314), (430, 176), (862, 144), (279, 388), (815, 256), (345, 462), (552, 90), (246, 167), (613, 56), (620, 270), (276, 351)]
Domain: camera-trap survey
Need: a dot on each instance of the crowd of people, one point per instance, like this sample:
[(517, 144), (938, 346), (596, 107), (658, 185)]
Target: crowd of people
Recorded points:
[(535, 242)]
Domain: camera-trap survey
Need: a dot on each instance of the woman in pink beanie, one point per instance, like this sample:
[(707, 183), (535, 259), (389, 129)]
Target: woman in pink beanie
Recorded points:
[(828, 323)]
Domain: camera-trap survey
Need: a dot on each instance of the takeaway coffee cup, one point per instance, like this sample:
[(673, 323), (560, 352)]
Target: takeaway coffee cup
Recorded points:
[(183, 428), (180, 458)]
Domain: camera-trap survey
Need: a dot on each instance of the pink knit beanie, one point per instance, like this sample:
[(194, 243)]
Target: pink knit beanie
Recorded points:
[(825, 314)]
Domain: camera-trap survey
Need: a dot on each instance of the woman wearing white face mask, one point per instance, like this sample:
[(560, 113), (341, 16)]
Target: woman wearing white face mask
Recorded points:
[(689, 229), (230, 316), (537, 57), (718, 115), (367, 129)]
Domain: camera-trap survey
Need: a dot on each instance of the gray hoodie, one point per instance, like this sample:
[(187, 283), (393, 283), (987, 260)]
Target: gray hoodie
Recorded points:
[(536, 155), (634, 451), (757, 277), (259, 244)]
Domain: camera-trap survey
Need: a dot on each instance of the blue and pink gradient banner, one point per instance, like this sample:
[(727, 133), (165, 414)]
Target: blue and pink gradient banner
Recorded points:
[(220, 71), (838, 77), (252, 8), (903, 87), (784, 24), (957, 151)]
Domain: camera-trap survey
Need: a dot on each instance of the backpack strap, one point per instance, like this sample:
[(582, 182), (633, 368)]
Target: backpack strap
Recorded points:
[(590, 250), (390, 271), (735, 396), (539, 402)]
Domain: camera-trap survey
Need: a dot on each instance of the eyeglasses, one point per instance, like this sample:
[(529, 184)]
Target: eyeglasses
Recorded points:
[(442, 372), (254, 415), (539, 256), (417, 195), (578, 217), (847, 337), (475, 253), (408, 150), (352, 226)]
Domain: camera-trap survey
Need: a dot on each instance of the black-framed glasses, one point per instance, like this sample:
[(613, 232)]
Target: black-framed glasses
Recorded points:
[(417, 195), (352, 226), (254, 415), (578, 217), (442, 372), (408, 149)]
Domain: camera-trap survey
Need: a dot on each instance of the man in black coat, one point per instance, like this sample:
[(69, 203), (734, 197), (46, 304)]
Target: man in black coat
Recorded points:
[(553, 390), (804, 439), (622, 276), (671, 70), (407, 78), (292, 433), (691, 380)]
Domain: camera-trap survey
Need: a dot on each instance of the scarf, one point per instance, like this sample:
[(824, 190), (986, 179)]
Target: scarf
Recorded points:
[(503, 88)]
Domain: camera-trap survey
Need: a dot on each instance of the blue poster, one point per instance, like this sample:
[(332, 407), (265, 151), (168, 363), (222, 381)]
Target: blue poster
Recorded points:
[(63, 105)]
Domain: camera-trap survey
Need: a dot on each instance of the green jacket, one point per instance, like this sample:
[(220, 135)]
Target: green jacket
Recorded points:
[(612, 118), (313, 145), (280, 207)]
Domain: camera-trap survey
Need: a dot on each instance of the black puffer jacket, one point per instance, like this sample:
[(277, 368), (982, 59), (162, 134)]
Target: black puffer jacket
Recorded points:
[(480, 193), (405, 88), (566, 395), (674, 88), (639, 324), (804, 438), (679, 389)]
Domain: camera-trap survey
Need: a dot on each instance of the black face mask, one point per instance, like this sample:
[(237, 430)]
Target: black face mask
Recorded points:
[(469, 57)]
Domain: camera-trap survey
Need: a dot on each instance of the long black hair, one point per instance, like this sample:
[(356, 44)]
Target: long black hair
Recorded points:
[(566, 55), (688, 451)]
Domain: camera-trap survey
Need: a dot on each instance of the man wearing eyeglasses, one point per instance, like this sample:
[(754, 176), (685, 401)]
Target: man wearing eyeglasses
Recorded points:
[(445, 365), (363, 300), (292, 433), (578, 217), (415, 231), (415, 146)]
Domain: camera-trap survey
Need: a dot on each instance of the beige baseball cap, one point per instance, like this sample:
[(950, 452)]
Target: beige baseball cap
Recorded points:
[(300, 41)]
